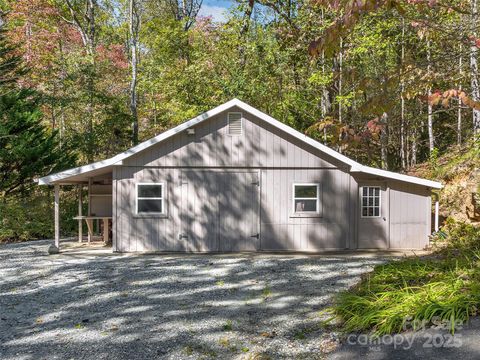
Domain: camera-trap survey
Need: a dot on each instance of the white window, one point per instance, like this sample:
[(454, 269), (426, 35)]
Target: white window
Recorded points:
[(370, 196), (150, 198), (235, 123), (306, 198)]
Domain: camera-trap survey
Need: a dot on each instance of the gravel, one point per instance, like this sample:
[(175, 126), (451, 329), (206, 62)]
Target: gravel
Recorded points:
[(241, 306)]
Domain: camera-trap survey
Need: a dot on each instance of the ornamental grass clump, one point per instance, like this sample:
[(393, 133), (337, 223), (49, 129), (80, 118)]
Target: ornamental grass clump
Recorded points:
[(413, 292)]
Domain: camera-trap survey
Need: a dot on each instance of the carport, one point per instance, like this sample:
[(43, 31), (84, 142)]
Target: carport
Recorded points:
[(99, 201)]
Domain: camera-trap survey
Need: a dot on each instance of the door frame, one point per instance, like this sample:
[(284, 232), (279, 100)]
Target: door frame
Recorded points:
[(384, 210), (219, 171)]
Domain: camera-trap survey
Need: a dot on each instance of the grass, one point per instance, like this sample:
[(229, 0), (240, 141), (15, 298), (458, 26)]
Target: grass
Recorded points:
[(443, 287), (266, 292), (228, 326)]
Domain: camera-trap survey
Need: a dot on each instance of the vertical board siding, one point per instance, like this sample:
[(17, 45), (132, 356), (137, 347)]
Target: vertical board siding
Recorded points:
[(209, 195), (260, 145), (409, 216), (281, 230)]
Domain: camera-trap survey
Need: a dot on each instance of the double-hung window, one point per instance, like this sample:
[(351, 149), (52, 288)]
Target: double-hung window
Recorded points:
[(370, 201), (306, 198), (150, 198)]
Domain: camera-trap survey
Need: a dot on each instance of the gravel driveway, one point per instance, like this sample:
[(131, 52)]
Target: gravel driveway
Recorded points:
[(167, 306)]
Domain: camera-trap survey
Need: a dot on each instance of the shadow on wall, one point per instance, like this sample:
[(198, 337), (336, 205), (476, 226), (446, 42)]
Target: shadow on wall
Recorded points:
[(213, 203)]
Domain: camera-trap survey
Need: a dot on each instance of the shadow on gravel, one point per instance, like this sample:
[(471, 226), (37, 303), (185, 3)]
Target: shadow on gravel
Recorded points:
[(170, 306)]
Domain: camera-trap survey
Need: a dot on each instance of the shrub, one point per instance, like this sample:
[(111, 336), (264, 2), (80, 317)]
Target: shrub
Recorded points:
[(31, 218), (443, 286)]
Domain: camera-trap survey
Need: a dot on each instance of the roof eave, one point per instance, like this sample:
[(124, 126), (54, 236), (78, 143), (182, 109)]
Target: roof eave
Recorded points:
[(395, 176), (118, 159)]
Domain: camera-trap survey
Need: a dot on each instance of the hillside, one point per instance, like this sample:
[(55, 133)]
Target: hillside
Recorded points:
[(459, 171)]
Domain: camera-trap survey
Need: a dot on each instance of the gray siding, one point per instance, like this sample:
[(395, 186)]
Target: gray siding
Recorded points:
[(215, 214), (261, 145), (281, 229), (410, 216), (213, 204)]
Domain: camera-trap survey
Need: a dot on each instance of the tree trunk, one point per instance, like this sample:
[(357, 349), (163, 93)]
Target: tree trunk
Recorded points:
[(384, 141), (340, 80), (244, 30), (414, 147), (134, 27), (86, 26), (459, 108), (431, 140), (402, 102), (474, 68)]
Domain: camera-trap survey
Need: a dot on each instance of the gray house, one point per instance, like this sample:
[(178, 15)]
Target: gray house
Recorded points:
[(235, 179)]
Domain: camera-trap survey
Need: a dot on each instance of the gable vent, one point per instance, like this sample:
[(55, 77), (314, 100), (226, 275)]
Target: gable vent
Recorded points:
[(234, 123)]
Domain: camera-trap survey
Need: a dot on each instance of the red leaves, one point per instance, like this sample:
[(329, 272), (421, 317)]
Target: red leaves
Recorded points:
[(474, 41), (444, 98), (345, 136), (115, 54)]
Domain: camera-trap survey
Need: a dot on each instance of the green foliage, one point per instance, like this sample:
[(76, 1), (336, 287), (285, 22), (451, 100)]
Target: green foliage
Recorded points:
[(228, 326), (27, 147), (79, 93), (23, 218), (404, 294)]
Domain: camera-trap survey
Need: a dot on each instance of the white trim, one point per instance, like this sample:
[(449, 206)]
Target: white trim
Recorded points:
[(118, 159), (317, 185), (395, 176), (241, 122), (162, 198), (368, 196)]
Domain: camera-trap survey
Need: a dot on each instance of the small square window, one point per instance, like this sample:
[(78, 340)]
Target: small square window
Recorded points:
[(150, 199), (306, 198), (370, 196)]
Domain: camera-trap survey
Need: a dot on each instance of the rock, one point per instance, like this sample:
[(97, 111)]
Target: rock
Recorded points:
[(52, 249)]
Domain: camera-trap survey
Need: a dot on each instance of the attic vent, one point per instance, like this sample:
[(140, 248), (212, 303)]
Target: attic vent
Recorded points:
[(234, 123)]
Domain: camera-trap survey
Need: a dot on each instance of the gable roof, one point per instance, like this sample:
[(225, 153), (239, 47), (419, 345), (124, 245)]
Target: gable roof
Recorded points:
[(107, 164)]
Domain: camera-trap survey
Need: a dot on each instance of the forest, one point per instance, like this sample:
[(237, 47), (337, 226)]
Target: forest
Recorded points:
[(390, 83)]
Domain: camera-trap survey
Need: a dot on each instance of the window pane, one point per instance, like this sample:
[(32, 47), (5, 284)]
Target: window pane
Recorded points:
[(305, 191), (377, 191), (365, 191), (147, 206), (377, 212), (370, 201), (364, 211), (377, 201), (370, 211), (305, 205), (364, 201), (149, 190)]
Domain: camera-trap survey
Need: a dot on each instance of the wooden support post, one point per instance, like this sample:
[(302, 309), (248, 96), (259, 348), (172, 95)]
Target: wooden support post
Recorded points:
[(89, 222), (57, 215), (106, 230), (80, 205), (436, 215), (90, 229)]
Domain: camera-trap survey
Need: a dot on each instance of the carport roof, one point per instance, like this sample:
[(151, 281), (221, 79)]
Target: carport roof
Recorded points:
[(82, 173)]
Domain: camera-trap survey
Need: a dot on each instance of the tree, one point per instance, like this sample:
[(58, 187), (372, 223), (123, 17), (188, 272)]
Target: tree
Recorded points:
[(134, 27), (83, 18), (27, 148)]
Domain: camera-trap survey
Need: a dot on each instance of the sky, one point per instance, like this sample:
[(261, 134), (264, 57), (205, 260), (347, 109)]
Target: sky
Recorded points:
[(215, 8)]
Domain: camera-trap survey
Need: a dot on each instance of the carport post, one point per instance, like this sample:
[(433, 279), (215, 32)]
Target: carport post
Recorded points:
[(80, 202), (57, 215)]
